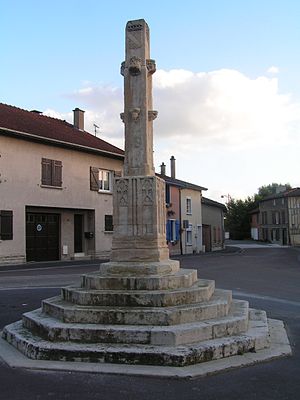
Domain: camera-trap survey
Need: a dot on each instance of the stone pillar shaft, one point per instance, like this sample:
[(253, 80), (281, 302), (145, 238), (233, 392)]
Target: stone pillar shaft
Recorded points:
[(139, 196)]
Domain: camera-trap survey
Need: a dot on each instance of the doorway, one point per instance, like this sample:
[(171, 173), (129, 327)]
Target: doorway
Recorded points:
[(78, 233), (42, 237)]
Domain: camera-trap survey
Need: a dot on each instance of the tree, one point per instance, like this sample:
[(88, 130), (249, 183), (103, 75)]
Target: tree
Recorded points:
[(267, 190), (237, 221)]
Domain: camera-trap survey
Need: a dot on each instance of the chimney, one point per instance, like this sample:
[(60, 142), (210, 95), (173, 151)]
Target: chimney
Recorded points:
[(172, 159), (78, 119), (163, 169)]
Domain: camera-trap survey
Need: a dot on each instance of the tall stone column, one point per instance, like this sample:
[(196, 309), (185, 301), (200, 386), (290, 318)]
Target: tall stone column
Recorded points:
[(139, 241)]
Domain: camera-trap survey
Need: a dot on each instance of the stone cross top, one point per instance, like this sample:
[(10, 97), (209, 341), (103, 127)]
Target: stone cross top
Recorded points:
[(139, 241), (138, 114)]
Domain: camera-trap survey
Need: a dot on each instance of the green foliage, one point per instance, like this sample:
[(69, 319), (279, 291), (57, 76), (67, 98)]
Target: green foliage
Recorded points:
[(267, 190), (237, 220)]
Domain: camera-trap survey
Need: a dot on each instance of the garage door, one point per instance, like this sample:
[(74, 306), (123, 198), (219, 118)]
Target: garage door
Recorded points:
[(42, 237)]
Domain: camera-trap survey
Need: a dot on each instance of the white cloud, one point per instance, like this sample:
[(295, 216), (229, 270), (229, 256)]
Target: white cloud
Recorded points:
[(214, 123), (273, 70), (222, 108)]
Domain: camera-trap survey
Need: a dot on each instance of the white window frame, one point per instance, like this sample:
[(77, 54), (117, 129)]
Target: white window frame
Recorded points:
[(102, 174), (188, 205), (189, 235)]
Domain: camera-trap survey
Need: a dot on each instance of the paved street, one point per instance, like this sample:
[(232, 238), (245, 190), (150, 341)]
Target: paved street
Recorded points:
[(268, 277)]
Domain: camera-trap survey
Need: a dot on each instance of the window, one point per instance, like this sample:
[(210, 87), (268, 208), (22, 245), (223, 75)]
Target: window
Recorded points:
[(108, 220), (264, 217), (275, 218), (104, 180), (6, 225), (188, 205), (189, 238), (100, 179), (172, 230), (51, 172), (283, 217)]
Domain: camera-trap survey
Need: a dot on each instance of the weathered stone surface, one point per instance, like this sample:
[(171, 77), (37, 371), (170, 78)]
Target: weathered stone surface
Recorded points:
[(51, 329), (181, 279), (202, 290), (35, 347), (125, 268), (216, 307)]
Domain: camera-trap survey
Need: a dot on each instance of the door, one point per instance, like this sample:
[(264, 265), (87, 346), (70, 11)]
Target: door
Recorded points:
[(206, 233), (78, 233), (42, 237)]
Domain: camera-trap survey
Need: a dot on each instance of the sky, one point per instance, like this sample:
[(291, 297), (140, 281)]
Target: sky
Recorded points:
[(227, 87)]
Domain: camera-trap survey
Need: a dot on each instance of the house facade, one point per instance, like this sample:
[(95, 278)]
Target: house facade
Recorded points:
[(280, 218), (183, 213), (213, 225), (55, 188)]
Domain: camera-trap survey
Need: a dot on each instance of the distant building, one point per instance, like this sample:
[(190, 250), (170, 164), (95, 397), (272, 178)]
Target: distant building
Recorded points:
[(280, 218), (213, 225), (194, 223), (55, 188)]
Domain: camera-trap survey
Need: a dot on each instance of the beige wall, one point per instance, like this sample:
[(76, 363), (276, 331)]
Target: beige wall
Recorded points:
[(20, 187), (195, 219)]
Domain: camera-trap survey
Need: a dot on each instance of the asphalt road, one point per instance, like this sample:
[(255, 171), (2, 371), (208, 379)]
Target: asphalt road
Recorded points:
[(268, 278)]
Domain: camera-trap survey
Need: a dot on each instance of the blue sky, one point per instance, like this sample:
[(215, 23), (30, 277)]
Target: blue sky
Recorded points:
[(227, 89)]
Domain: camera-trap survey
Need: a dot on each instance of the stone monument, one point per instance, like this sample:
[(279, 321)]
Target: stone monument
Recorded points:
[(141, 307)]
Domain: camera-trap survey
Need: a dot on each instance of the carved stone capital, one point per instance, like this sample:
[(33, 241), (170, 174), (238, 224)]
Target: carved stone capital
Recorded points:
[(122, 68), (122, 117), (152, 115), (134, 113), (135, 66), (151, 66)]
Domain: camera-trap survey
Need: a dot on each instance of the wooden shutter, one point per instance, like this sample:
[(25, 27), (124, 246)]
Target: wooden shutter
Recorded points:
[(94, 178), (57, 173), (46, 171), (6, 225)]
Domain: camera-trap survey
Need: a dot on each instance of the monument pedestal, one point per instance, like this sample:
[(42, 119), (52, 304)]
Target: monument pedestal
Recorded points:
[(140, 308), (171, 319)]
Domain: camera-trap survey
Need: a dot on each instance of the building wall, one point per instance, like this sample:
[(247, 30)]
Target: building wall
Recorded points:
[(294, 220), (274, 221), (21, 189), (213, 217), (194, 231)]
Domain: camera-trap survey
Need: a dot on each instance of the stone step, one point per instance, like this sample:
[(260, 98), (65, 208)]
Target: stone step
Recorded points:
[(254, 339), (216, 307), (181, 279), (54, 330), (202, 290)]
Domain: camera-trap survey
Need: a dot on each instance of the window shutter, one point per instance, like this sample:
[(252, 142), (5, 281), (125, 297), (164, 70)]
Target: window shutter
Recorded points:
[(57, 173), (168, 231), (94, 178), (177, 228), (46, 171), (6, 225)]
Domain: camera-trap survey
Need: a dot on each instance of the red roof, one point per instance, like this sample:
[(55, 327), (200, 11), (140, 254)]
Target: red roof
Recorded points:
[(38, 125)]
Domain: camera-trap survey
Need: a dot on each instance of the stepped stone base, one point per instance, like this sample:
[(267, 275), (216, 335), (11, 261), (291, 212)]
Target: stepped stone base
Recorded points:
[(167, 319)]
